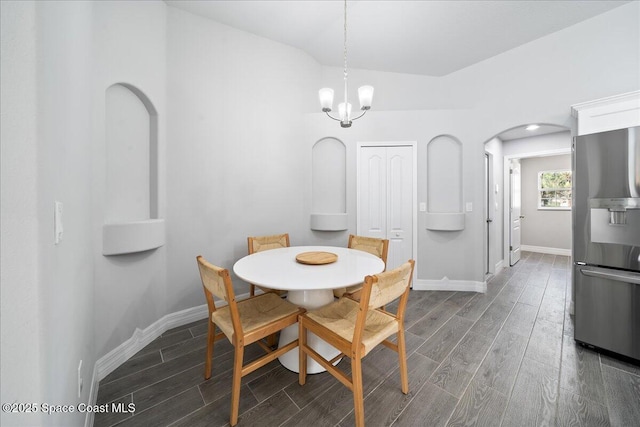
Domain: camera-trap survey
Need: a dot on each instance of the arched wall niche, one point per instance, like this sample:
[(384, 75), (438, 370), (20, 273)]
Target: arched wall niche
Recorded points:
[(329, 185), (131, 217), (444, 184)]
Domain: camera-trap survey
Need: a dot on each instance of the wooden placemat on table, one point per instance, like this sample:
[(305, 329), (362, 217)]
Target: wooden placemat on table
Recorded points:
[(316, 258)]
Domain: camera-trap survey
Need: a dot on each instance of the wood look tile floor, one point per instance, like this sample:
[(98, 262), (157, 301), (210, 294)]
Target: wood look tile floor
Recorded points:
[(503, 358)]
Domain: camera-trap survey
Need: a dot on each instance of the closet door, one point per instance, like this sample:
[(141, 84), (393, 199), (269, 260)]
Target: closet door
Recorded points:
[(372, 193), (385, 196)]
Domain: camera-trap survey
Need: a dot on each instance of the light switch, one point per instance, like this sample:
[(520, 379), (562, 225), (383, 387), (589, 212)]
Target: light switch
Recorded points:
[(469, 207), (423, 207), (57, 221)]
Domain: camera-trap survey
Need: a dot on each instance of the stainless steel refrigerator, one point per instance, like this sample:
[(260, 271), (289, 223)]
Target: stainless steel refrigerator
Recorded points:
[(606, 240)]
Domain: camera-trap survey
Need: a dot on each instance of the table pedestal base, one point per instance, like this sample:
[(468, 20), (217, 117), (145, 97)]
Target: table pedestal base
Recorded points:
[(309, 300)]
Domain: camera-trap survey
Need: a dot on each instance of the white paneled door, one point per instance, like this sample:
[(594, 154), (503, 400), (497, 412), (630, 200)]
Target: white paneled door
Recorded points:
[(385, 198), (515, 212)]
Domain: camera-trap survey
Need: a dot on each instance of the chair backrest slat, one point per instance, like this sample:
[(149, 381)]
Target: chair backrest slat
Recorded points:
[(380, 290), (263, 243), (373, 245), (390, 285), (212, 279), (216, 281)]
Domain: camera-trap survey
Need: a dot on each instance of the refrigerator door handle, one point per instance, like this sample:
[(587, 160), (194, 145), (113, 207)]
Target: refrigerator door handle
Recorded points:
[(611, 276)]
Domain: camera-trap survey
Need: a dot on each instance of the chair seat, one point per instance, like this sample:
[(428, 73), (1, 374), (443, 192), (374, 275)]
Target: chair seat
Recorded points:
[(340, 317), (275, 291), (341, 291), (255, 312)]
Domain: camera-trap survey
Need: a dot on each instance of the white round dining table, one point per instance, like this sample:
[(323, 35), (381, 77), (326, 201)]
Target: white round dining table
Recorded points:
[(308, 286)]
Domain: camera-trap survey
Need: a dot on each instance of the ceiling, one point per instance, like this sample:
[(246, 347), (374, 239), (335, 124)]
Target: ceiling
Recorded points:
[(418, 37)]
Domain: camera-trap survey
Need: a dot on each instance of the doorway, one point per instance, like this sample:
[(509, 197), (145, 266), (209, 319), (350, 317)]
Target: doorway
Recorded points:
[(514, 143), (540, 229), (386, 196)]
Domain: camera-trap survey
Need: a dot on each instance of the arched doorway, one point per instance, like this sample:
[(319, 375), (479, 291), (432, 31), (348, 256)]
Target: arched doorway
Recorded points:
[(501, 233)]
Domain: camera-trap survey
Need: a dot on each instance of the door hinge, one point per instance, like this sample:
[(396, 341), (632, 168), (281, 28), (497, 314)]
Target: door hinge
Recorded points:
[(510, 248)]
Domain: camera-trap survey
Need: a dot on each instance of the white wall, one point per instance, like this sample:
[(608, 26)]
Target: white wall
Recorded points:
[(23, 364), (129, 46), (65, 303), (239, 164), (420, 126), (496, 206), (64, 170), (543, 228)]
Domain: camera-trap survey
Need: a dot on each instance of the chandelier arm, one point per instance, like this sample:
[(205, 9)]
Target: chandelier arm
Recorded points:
[(331, 117), (362, 114)]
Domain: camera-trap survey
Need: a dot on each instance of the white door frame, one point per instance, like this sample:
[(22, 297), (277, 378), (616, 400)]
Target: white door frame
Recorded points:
[(489, 185), (414, 208), (507, 191)]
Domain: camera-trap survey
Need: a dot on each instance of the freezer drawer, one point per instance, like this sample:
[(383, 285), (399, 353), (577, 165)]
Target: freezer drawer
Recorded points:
[(607, 309)]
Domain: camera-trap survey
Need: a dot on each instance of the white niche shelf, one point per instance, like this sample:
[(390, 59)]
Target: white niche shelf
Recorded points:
[(131, 237), (329, 222), (131, 220)]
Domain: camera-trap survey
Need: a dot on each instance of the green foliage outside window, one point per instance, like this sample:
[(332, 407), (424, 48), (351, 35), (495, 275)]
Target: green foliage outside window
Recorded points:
[(554, 189)]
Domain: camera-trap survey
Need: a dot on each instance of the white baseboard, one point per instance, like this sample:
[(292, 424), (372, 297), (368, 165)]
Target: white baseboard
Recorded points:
[(498, 267), (543, 250), (140, 339), (445, 284), (93, 397)]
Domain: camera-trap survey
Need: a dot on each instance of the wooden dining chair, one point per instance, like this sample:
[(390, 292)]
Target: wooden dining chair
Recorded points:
[(243, 323), (355, 328), (264, 243), (373, 245)]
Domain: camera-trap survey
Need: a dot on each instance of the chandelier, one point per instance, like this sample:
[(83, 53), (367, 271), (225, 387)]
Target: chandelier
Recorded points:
[(365, 93)]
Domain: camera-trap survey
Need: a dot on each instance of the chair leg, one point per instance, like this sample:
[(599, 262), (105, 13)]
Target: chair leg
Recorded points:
[(252, 290), (402, 355), (358, 400), (302, 361), (272, 340), (211, 334), (235, 388)]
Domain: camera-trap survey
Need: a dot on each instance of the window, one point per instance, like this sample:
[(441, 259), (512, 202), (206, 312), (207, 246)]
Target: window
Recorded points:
[(554, 189)]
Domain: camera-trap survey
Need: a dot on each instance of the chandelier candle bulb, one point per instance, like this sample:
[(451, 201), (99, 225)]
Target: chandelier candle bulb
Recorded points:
[(326, 99), (365, 94), (341, 111)]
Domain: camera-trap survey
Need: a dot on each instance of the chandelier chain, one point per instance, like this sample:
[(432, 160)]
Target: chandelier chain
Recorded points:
[(345, 39), (365, 93)]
